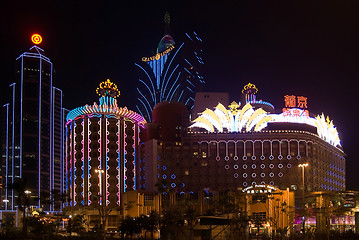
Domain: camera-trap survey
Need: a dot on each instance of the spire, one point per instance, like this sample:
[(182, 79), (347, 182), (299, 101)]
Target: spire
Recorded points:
[(167, 20)]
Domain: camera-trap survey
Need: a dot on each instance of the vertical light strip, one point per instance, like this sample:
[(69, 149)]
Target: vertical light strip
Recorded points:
[(99, 158), (21, 102), (88, 161), (74, 164), (13, 145), (124, 156), (83, 161), (39, 136), (134, 156), (106, 162), (7, 154), (118, 161), (51, 148), (66, 162), (71, 168)]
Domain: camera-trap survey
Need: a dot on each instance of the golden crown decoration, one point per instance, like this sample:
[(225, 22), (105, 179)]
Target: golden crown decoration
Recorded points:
[(250, 86), (108, 88)]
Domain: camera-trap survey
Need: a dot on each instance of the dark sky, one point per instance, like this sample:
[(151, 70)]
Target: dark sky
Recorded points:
[(307, 48)]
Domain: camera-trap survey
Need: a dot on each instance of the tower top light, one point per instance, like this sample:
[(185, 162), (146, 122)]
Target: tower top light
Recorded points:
[(36, 38)]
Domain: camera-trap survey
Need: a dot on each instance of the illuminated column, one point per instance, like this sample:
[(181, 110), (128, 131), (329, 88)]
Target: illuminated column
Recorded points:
[(107, 185), (124, 156), (83, 193), (89, 161), (134, 157), (118, 134), (99, 156), (74, 166)]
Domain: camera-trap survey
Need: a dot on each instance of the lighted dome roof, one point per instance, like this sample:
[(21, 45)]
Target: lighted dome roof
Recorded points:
[(166, 42)]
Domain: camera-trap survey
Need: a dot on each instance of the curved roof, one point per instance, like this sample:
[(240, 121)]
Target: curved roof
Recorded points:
[(166, 42)]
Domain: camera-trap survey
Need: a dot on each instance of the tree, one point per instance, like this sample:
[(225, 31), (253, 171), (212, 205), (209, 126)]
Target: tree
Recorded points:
[(149, 223), (130, 226), (20, 187)]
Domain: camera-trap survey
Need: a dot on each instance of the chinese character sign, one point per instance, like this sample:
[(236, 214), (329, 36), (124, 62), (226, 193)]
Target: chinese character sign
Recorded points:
[(295, 106), (302, 102), (291, 101)]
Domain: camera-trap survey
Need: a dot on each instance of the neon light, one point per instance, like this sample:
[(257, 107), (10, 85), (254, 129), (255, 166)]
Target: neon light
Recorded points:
[(7, 154), (245, 118), (106, 109), (118, 162), (158, 55), (108, 88), (36, 38), (124, 156), (107, 160)]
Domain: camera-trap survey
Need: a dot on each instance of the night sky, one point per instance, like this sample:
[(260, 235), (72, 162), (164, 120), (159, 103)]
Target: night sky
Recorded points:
[(307, 48)]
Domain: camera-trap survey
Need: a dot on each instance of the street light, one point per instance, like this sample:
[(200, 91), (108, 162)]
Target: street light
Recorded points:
[(99, 172), (303, 166)]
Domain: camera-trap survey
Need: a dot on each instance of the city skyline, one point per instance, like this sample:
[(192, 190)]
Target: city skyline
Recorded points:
[(307, 51)]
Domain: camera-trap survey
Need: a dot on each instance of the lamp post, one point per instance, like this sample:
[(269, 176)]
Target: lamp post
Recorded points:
[(303, 166), (99, 172)]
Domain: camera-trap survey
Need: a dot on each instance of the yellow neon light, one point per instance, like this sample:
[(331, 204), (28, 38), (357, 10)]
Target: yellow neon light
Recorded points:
[(224, 110), (264, 120), (250, 86), (206, 122), (158, 55), (256, 113), (217, 122)]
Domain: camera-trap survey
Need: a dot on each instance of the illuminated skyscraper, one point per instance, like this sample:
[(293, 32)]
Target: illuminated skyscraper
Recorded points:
[(32, 132), (101, 150), (173, 74)]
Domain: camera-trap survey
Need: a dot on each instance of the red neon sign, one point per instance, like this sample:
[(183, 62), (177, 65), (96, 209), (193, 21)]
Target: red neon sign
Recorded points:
[(36, 38)]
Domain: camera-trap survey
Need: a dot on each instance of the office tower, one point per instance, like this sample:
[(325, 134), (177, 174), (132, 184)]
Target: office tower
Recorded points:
[(32, 133)]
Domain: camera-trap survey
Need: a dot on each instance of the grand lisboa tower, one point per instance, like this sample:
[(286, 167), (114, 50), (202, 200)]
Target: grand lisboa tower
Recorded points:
[(101, 150)]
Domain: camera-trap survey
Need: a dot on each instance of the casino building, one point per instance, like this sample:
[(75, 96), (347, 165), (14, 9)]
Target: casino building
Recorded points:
[(246, 144), (173, 74), (101, 150)]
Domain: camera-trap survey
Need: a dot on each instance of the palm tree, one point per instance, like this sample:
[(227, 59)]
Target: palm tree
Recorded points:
[(23, 200), (149, 223)]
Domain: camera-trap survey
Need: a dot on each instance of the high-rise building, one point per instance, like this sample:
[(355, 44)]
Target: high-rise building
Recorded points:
[(32, 133), (101, 150), (173, 74)]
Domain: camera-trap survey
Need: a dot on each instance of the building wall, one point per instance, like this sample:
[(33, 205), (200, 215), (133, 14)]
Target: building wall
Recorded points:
[(100, 142), (237, 160)]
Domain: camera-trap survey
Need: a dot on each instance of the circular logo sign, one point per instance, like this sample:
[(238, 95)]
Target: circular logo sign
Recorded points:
[(36, 38)]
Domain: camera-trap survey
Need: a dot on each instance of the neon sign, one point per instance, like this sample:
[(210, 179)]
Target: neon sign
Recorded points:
[(158, 55), (262, 188), (291, 101), (236, 119), (232, 120), (36, 38)]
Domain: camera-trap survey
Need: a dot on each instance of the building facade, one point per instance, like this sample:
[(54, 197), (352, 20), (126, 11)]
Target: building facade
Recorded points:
[(173, 74), (247, 144), (32, 132), (101, 150)]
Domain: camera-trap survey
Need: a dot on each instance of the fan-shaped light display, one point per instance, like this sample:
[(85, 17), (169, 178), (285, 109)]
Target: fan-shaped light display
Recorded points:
[(233, 120), (247, 119)]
